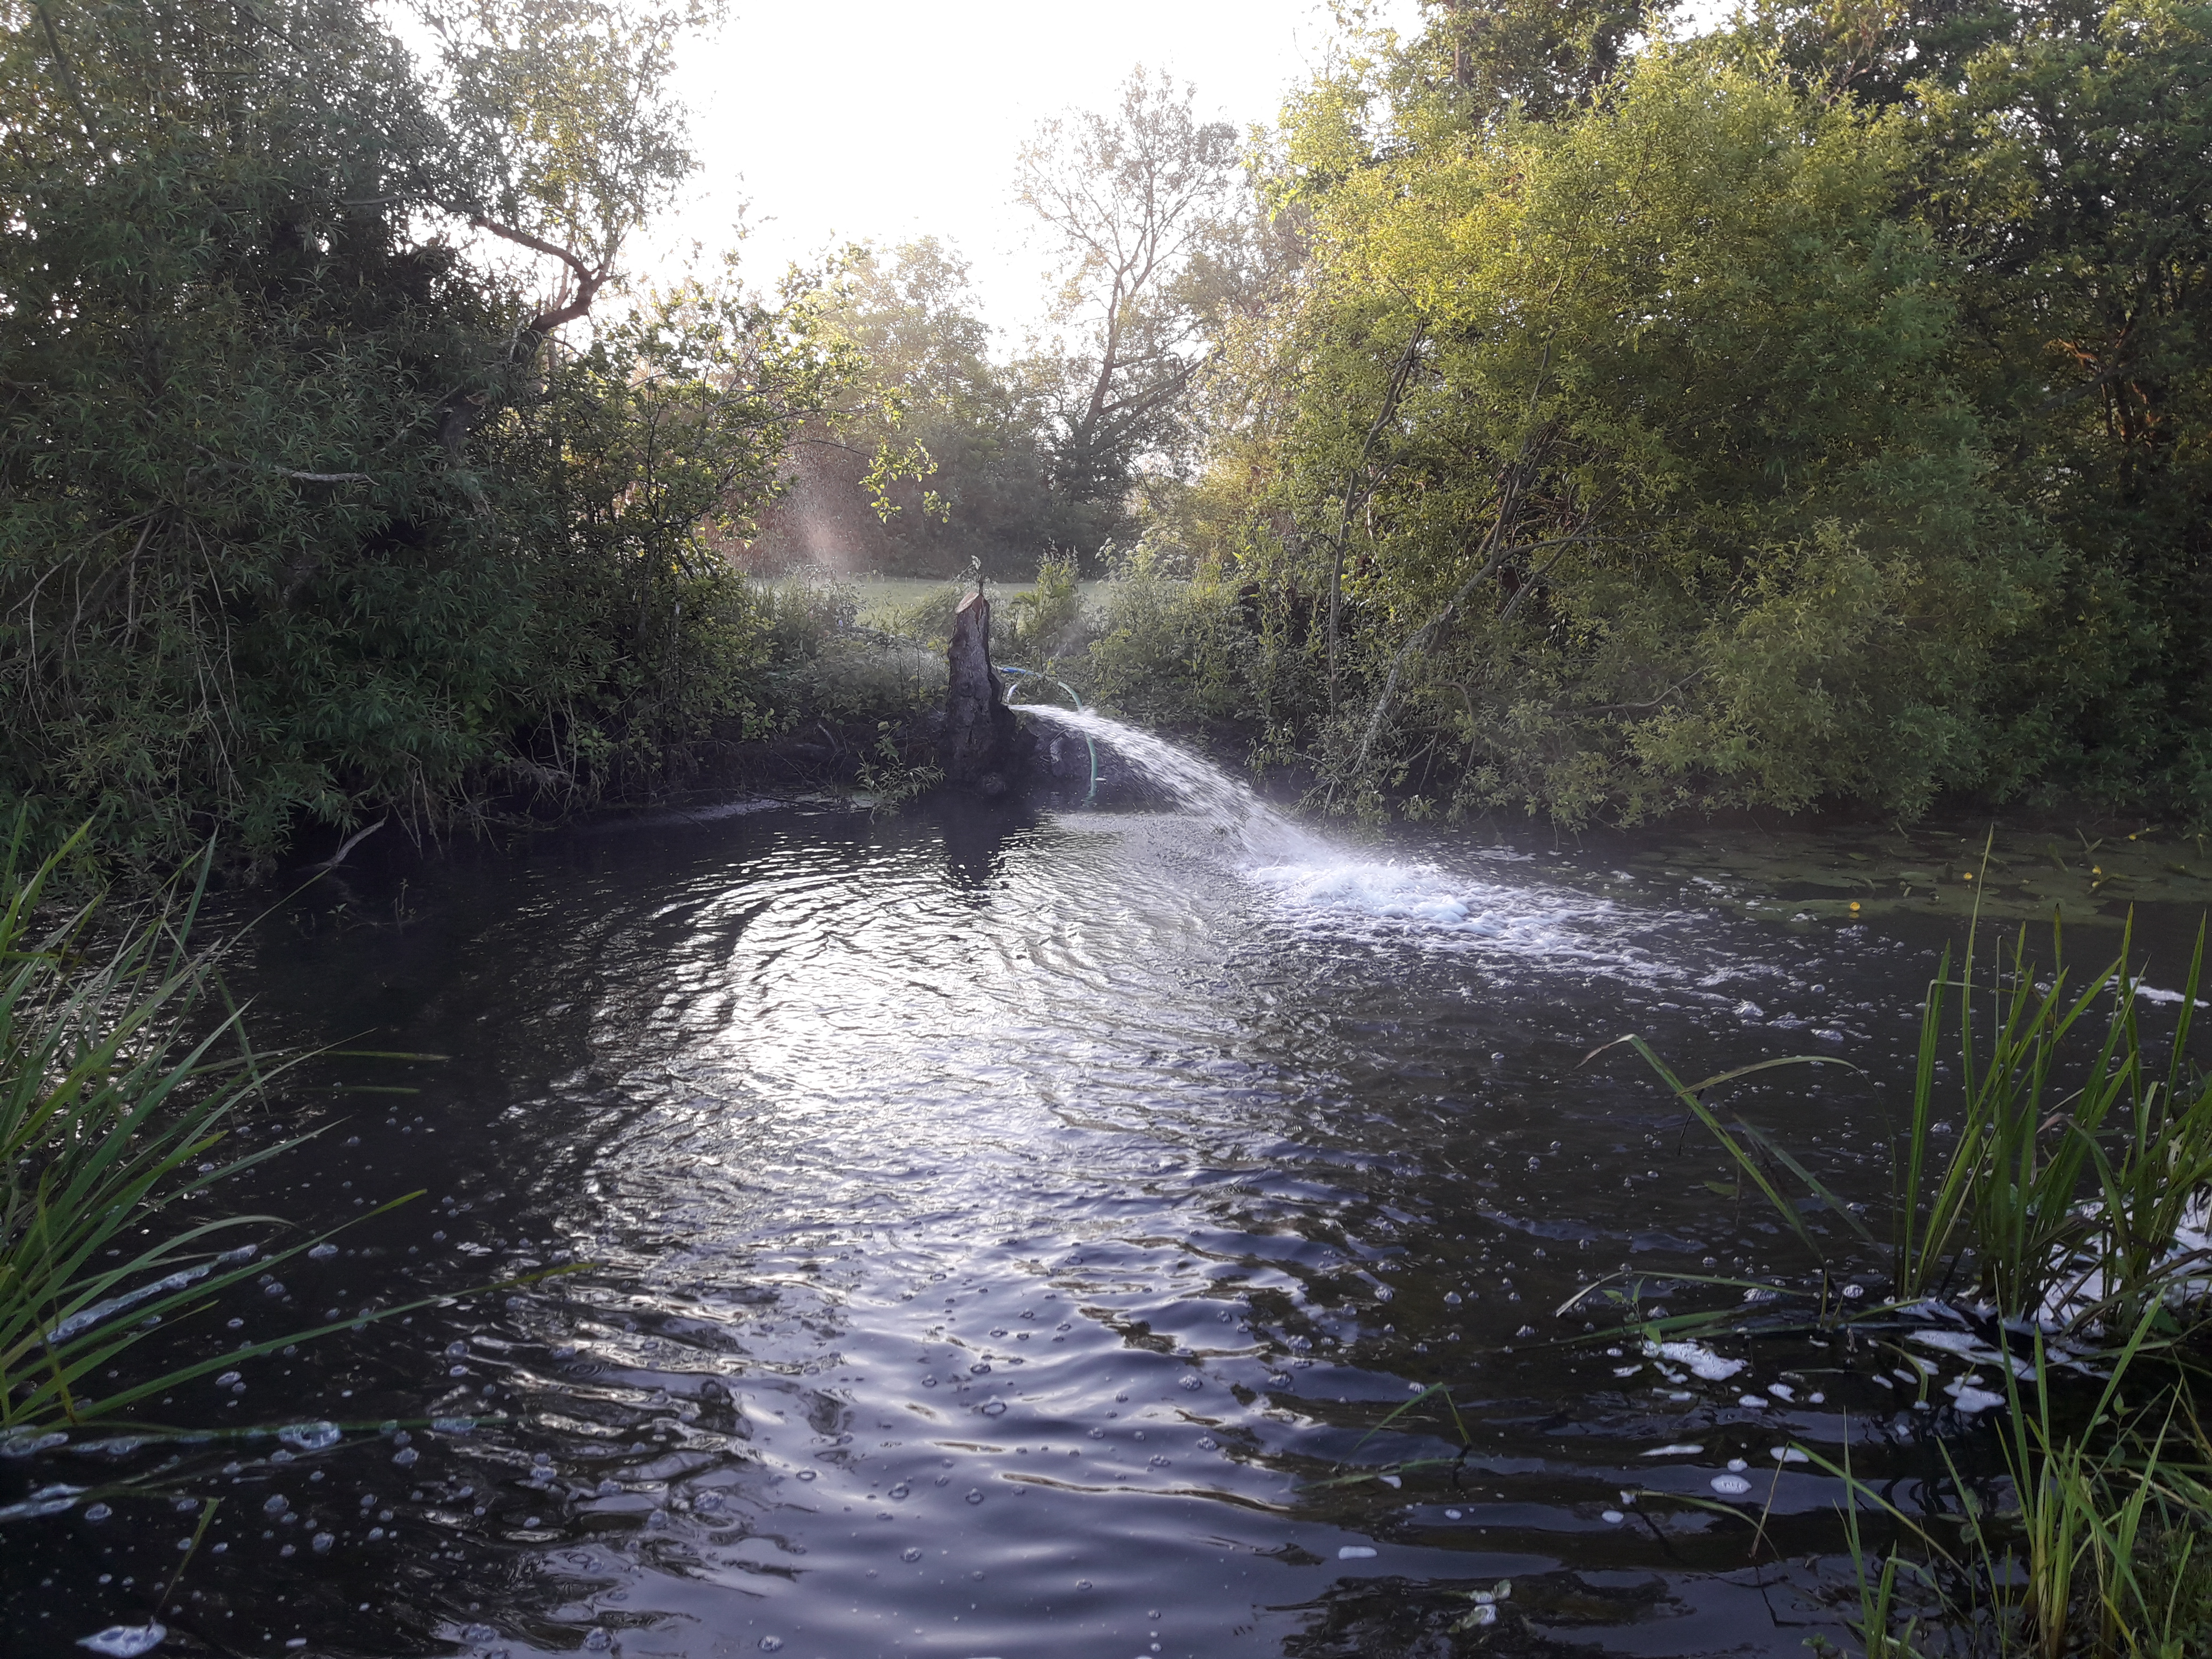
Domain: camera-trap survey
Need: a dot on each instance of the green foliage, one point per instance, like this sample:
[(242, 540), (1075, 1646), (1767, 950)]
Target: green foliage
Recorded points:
[(105, 1111), (822, 667), (1046, 618), (1137, 204), (1806, 413), (1170, 649), (302, 516), (2073, 1158), (928, 620), (972, 480)]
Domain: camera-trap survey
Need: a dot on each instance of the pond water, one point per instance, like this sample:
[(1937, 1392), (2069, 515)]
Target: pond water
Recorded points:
[(1003, 1229)]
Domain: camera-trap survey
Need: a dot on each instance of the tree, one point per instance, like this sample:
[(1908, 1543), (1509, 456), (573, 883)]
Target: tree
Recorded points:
[(1130, 202), (942, 458), (298, 516), (1625, 472)]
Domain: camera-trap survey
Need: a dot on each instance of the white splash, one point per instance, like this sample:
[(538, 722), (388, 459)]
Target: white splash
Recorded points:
[(1315, 879)]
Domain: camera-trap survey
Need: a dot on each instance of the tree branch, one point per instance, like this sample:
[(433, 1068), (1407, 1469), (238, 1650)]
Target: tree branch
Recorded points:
[(589, 282), (1392, 394)]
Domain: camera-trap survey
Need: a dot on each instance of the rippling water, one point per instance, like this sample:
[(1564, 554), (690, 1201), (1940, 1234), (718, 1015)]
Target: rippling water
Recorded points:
[(1003, 1233)]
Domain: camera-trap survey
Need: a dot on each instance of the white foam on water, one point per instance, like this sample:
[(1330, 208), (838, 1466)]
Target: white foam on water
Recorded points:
[(1316, 881), (125, 1641)]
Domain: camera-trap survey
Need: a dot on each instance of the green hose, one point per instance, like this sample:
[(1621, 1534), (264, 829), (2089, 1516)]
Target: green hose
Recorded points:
[(1091, 794)]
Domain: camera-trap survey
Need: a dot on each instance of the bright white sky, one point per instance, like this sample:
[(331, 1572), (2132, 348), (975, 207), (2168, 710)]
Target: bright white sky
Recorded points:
[(883, 120)]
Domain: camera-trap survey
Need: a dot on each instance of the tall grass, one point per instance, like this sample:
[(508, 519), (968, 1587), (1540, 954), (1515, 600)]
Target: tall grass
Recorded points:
[(2074, 1161), (2104, 1557), (2068, 1201), (121, 1064)]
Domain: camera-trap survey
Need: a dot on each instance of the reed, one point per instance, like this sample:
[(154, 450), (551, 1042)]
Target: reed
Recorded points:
[(2078, 1161), (121, 1063), (2070, 1202), (2104, 1557)]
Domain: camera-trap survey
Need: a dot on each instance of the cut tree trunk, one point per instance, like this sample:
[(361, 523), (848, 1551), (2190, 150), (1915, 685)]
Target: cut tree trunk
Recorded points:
[(980, 730)]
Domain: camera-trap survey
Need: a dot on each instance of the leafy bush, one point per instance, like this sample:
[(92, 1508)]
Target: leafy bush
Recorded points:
[(1170, 648), (1048, 619), (302, 516)]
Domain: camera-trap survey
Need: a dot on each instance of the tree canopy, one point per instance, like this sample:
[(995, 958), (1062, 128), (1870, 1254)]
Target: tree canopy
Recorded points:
[(305, 510), (1807, 412)]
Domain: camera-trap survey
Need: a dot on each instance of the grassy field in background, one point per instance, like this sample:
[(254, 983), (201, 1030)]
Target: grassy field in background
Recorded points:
[(881, 596)]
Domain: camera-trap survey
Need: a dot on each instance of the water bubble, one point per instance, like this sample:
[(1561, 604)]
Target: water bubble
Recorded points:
[(899, 1490), (1355, 1553), (1207, 1443), (276, 1505), (974, 1496), (910, 1554), (97, 1512), (310, 1437), (272, 1288), (1190, 1380), (771, 1643), (1730, 1485), (225, 1379), (125, 1641), (806, 1475), (405, 1457), (598, 1640), (322, 1542), (1083, 1584), (994, 1409), (480, 1634), (1613, 1517), (1737, 1466)]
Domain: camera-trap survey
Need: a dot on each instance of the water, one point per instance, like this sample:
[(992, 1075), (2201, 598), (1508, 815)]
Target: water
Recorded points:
[(1003, 1231)]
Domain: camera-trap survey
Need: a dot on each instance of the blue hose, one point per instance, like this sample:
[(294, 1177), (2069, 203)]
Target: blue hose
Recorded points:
[(1030, 673)]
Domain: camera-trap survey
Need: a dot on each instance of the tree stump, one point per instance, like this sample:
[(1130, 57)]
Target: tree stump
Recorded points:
[(980, 730)]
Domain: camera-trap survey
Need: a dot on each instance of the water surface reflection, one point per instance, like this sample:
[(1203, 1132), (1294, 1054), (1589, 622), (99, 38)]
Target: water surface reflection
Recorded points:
[(1003, 1229)]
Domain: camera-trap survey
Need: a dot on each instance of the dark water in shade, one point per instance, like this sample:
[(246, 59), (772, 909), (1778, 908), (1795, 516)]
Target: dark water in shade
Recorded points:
[(1001, 1223)]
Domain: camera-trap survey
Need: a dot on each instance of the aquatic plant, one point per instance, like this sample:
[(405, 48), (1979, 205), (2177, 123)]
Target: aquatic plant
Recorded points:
[(2077, 1175), (107, 1108), (2103, 1555), (123, 1064)]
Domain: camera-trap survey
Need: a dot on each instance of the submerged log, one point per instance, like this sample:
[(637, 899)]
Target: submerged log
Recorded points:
[(980, 730)]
